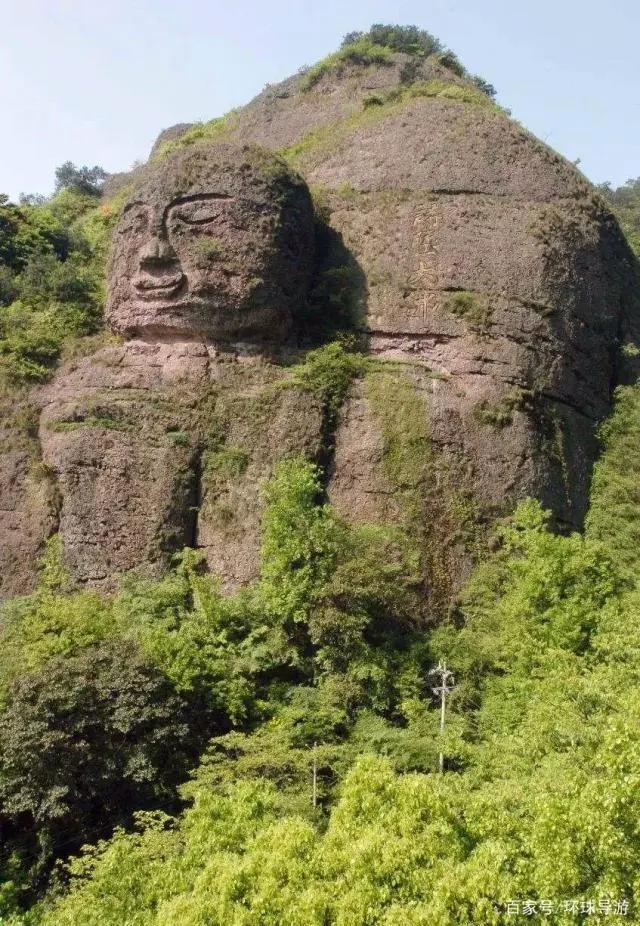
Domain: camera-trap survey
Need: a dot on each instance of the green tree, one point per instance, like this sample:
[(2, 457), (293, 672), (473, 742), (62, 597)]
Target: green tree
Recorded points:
[(625, 201), (52, 260), (85, 179), (26, 230), (83, 743)]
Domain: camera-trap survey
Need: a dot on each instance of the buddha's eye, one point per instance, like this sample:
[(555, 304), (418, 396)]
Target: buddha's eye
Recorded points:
[(198, 213)]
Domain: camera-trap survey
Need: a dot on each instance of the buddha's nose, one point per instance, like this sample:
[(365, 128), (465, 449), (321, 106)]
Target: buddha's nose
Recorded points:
[(157, 252), (159, 274)]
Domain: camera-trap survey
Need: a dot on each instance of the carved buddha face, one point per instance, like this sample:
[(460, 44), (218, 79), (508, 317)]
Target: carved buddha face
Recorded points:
[(216, 243)]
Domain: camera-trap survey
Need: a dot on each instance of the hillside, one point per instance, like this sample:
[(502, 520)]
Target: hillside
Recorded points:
[(335, 388)]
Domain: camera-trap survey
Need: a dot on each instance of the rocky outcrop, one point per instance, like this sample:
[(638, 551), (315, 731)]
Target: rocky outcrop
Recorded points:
[(485, 278), (173, 133), (523, 330), (487, 258), (159, 445)]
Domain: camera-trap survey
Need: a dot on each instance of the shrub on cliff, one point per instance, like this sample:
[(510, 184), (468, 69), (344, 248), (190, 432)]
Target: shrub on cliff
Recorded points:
[(408, 39), (484, 86), (339, 593)]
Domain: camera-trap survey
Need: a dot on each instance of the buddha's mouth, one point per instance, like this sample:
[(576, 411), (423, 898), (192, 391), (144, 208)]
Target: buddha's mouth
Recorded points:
[(158, 288)]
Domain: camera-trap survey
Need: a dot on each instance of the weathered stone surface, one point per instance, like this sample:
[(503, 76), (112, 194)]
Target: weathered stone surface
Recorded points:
[(434, 196), (28, 496), (215, 243), (170, 134), (445, 146), (157, 446), (262, 427), (284, 113), (491, 260), (358, 487), (518, 305), (28, 515)]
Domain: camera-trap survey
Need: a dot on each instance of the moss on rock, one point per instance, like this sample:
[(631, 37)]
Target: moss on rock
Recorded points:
[(440, 516)]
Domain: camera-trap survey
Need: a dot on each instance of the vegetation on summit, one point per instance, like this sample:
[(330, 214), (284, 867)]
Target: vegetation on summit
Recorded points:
[(377, 46)]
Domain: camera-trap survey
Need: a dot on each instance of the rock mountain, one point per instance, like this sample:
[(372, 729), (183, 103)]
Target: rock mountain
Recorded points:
[(481, 276)]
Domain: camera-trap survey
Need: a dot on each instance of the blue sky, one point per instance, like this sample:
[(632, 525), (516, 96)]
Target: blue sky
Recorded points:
[(95, 82)]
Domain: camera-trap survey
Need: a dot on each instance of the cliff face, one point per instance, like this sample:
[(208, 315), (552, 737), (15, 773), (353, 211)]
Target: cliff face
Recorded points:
[(490, 286), (486, 256), (158, 445)]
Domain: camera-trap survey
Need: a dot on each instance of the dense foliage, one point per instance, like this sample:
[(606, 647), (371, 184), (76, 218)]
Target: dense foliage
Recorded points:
[(625, 201), (323, 640), (52, 259), (83, 742), (87, 180)]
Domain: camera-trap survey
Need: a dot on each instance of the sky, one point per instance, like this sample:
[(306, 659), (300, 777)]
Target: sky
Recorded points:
[(95, 83)]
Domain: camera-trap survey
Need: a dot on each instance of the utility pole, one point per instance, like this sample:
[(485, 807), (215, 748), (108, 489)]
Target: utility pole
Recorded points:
[(315, 777), (445, 683)]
